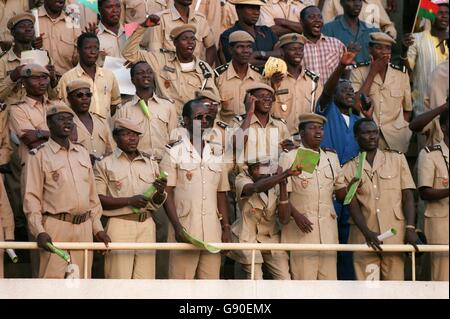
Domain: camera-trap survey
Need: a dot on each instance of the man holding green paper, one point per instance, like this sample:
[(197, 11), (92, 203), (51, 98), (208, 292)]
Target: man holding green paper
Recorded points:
[(122, 178)]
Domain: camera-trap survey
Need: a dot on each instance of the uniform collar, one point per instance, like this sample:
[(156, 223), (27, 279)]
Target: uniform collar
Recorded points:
[(55, 147), (379, 160), (135, 100), (118, 153), (231, 72), (33, 102), (444, 148), (255, 119), (103, 29), (80, 71), (42, 12), (11, 56), (176, 15)]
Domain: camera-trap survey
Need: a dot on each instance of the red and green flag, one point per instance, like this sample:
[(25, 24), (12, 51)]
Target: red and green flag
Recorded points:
[(428, 10)]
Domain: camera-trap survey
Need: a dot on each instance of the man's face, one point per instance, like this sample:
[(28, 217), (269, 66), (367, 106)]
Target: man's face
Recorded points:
[(55, 5), (264, 101), (89, 51), (110, 12), (241, 52), (345, 94), (312, 134), (143, 77), (212, 106), (186, 43), (259, 171), (368, 136), (293, 53), (352, 7), (313, 22), (80, 100), (441, 22), (249, 13), (60, 125), (127, 140), (378, 51), (23, 31), (200, 114), (36, 85)]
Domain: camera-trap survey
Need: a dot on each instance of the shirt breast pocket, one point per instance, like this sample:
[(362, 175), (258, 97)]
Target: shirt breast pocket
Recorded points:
[(118, 183), (66, 45), (84, 170), (187, 174), (55, 174), (389, 180), (216, 170)]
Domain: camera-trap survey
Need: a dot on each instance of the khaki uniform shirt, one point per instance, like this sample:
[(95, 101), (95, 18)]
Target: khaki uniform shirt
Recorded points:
[(117, 176), (9, 9), (171, 80), (170, 19), (295, 97), (258, 222), (5, 143), (6, 215), (390, 99), (280, 9), (380, 194), (28, 114), (98, 143), (197, 180), (137, 10), (10, 92), (59, 40), (104, 88), (433, 172), (112, 44), (312, 195), (57, 181), (233, 89), (372, 12), (157, 128), (212, 10)]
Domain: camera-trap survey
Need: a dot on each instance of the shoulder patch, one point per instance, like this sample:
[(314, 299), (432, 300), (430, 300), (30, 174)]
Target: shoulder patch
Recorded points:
[(279, 119), (35, 150), (312, 75), (361, 64), (433, 148), (172, 144), (328, 149), (240, 118), (398, 67), (169, 69), (282, 92), (221, 69), (222, 124), (203, 66), (257, 69), (146, 155), (393, 151)]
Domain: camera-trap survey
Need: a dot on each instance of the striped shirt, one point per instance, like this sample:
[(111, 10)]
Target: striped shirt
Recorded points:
[(323, 56)]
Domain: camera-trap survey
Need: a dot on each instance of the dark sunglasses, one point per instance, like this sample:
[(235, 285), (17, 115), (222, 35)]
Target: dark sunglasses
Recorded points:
[(81, 94)]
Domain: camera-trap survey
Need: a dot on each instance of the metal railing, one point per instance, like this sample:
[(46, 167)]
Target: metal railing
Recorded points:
[(231, 246)]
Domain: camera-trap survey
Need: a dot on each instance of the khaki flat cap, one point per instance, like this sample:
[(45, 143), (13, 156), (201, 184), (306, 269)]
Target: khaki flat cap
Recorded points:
[(381, 38), (291, 38), (208, 95), (126, 123), (240, 36), (20, 17), (249, 2), (33, 70), (258, 86), (76, 85), (312, 118), (59, 107), (176, 32)]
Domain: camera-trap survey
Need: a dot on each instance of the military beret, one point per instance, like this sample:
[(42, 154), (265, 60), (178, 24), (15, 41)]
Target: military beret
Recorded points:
[(33, 70), (291, 38), (240, 36), (59, 107), (126, 123), (20, 17), (381, 38), (176, 32), (208, 95), (312, 117), (258, 85), (248, 2), (76, 85)]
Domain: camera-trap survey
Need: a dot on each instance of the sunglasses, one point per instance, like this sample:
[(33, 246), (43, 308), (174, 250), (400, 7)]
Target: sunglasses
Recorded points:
[(81, 94)]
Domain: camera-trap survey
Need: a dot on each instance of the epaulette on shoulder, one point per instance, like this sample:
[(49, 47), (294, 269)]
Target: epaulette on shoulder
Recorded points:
[(17, 102), (222, 124), (204, 67), (398, 67), (433, 148), (393, 151), (35, 150), (164, 50), (221, 69), (147, 155), (329, 149), (163, 97), (361, 64), (258, 69), (279, 119), (240, 118), (313, 76), (171, 144)]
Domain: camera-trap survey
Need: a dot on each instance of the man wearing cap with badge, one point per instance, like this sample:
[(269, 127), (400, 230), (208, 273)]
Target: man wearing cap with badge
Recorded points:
[(161, 117), (180, 73), (388, 87), (263, 199), (122, 178), (313, 218), (61, 167), (180, 14), (92, 130), (10, 9), (234, 77), (297, 91)]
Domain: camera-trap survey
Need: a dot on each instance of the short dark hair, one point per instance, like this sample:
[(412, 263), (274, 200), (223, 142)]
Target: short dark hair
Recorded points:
[(85, 36), (187, 108), (443, 118), (134, 66), (304, 12), (302, 126), (360, 122)]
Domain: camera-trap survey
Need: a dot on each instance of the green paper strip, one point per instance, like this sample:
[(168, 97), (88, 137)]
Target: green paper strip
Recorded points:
[(151, 190), (307, 159), (61, 253), (144, 108), (12, 254), (358, 174), (200, 244)]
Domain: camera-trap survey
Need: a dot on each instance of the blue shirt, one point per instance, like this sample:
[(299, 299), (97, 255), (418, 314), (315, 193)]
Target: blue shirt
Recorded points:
[(265, 39), (339, 29), (336, 133)]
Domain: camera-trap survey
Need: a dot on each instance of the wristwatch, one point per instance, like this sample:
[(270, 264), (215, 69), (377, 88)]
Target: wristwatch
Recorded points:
[(39, 135)]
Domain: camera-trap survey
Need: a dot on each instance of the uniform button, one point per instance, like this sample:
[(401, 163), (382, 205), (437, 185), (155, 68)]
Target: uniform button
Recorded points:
[(95, 151), (204, 182), (378, 210), (318, 216), (204, 198), (377, 198), (374, 186)]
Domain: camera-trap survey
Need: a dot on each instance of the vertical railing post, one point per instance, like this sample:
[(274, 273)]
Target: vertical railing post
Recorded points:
[(253, 264), (413, 265), (86, 252)]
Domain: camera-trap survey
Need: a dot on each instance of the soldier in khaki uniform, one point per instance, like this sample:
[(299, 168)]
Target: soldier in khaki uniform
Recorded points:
[(384, 200), (104, 86), (59, 35), (262, 198), (111, 33), (6, 222), (298, 91), (388, 88), (122, 178), (312, 217), (60, 167), (9, 9), (433, 179), (92, 130), (5, 143), (177, 15), (282, 16), (180, 74), (162, 115), (197, 186), (235, 77)]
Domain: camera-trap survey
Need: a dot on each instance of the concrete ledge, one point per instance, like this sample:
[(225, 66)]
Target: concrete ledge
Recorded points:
[(218, 289)]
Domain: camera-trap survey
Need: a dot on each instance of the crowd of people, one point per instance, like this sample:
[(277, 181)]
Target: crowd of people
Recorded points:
[(207, 146)]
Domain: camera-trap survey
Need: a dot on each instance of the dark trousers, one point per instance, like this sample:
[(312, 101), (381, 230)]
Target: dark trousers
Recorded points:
[(345, 269)]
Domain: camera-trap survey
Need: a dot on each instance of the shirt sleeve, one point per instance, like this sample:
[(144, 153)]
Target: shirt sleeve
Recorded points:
[(412, 54), (115, 91), (19, 121), (407, 98), (357, 80), (6, 215), (101, 180), (266, 17), (96, 207), (241, 180), (407, 181), (168, 165), (425, 170), (224, 185)]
